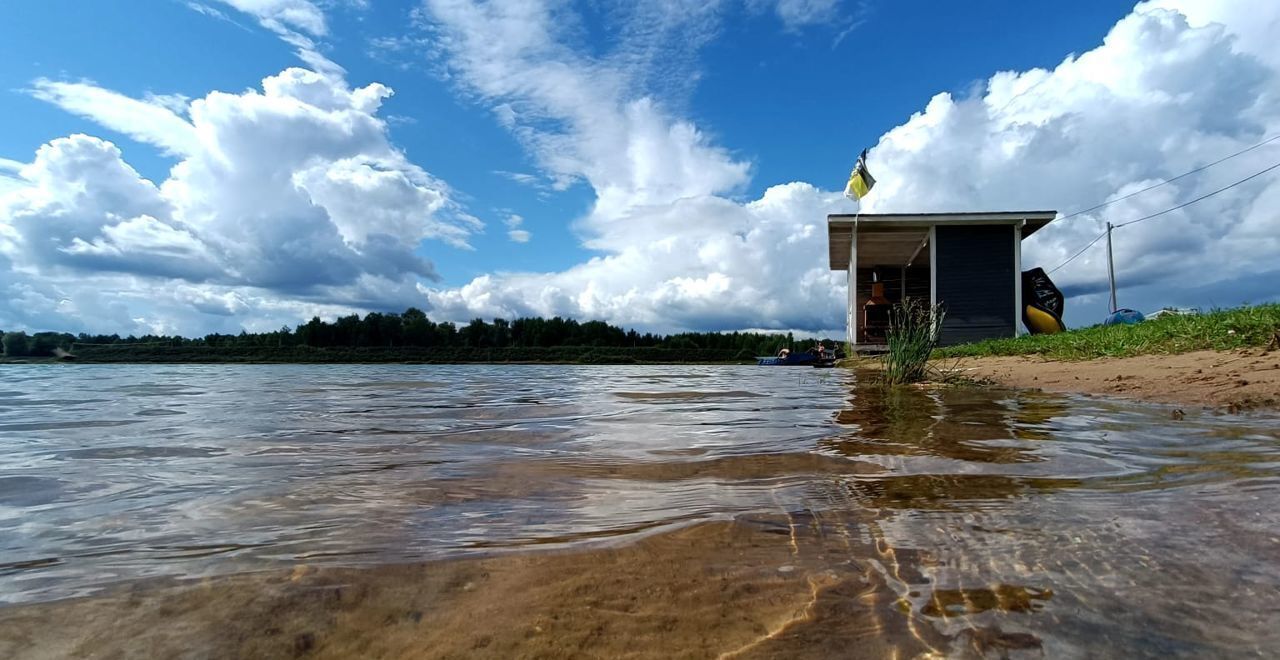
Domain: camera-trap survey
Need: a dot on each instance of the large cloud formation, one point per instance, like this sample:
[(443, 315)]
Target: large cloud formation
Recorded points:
[(290, 200), (1174, 85), (677, 252), (290, 197), (1167, 92)]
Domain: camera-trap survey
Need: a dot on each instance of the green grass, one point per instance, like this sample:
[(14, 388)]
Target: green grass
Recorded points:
[(1224, 329), (913, 334)]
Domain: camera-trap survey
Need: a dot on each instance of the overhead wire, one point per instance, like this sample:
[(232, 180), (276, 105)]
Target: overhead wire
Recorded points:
[(1171, 180), (1202, 197), (1080, 252), (1168, 210)]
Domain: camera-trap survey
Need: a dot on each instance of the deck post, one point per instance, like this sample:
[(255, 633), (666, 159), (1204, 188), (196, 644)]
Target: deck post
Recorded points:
[(933, 265), (1017, 276)]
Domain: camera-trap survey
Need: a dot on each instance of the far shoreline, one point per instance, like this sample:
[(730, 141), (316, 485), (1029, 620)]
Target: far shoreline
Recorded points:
[(43, 361)]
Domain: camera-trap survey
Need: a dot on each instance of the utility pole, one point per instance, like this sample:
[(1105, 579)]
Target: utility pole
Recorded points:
[(1111, 269)]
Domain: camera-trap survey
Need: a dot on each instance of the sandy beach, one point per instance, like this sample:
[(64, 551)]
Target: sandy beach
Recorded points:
[(1233, 380)]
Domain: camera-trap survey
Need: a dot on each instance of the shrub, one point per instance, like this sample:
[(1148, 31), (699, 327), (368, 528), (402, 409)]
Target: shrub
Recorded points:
[(913, 334)]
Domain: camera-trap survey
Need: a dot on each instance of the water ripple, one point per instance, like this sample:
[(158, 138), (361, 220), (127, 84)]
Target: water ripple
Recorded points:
[(992, 512)]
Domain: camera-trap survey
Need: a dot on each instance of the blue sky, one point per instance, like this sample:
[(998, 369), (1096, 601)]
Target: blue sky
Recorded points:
[(802, 129), (573, 124)]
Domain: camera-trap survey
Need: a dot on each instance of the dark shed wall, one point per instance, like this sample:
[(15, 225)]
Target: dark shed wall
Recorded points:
[(975, 282)]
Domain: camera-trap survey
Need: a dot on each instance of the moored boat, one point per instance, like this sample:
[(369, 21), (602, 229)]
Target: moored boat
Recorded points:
[(797, 360), (789, 360)]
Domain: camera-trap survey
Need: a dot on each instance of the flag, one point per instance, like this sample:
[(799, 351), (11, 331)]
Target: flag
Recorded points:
[(860, 180)]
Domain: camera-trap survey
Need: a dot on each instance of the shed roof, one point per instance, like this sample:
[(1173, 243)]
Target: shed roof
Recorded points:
[(892, 239)]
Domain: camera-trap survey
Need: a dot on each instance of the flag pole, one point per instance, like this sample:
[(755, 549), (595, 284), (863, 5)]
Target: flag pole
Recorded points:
[(860, 183)]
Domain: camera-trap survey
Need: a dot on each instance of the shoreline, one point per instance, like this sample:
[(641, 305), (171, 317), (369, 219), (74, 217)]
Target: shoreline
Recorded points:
[(1235, 380)]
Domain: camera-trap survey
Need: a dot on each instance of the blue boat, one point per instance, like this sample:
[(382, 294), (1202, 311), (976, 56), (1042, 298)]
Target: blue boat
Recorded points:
[(796, 360)]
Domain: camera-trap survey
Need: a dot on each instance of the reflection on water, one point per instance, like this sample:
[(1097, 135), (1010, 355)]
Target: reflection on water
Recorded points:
[(738, 510)]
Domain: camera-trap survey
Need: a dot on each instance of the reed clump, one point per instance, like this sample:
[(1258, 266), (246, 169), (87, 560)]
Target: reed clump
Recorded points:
[(914, 328)]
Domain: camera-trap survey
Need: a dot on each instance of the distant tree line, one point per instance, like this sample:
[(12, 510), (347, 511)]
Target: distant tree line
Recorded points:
[(41, 344), (412, 336)]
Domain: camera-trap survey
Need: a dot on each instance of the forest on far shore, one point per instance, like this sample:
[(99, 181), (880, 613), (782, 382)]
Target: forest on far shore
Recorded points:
[(412, 337)]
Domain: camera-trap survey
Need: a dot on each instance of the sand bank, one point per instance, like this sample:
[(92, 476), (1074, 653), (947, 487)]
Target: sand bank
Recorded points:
[(1241, 379), (754, 587)]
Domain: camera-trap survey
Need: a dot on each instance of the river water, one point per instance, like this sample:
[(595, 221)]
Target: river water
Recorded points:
[(952, 522)]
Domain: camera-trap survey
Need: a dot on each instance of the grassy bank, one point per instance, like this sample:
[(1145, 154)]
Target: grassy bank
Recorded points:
[(1217, 330)]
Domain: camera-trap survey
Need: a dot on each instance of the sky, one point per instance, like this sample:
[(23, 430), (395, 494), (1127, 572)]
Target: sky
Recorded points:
[(210, 166)]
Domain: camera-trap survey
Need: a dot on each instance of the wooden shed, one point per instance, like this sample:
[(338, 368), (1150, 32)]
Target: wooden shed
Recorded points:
[(971, 263)]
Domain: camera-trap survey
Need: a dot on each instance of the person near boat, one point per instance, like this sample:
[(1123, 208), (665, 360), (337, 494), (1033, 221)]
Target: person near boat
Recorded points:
[(818, 356)]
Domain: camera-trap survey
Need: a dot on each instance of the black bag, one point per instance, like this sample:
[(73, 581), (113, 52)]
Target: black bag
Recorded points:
[(1038, 291)]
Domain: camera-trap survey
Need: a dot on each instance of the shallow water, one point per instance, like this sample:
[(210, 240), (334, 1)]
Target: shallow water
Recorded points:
[(988, 521)]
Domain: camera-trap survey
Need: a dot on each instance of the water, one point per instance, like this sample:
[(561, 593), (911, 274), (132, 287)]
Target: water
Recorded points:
[(969, 521)]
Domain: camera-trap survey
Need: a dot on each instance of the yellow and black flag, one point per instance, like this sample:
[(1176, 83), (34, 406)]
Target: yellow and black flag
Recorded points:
[(860, 180)]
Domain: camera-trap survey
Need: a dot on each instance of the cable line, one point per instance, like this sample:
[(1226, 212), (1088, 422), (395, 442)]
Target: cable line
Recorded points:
[(1205, 196), (1168, 210), (1073, 257), (1180, 176)]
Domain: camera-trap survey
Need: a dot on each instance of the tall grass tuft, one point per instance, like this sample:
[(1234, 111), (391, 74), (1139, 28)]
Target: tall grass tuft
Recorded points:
[(913, 334)]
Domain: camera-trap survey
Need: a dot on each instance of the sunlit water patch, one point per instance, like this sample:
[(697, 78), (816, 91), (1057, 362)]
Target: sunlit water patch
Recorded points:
[(950, 521)]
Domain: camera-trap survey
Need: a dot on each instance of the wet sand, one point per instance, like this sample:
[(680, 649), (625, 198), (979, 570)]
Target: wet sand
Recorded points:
[(751, 588), (1244, 379)]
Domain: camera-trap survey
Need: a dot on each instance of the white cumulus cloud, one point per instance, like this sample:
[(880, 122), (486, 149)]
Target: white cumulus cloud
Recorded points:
[(1163, 95), (153, 121), (289, 200), (291, 192), (1173, 86)]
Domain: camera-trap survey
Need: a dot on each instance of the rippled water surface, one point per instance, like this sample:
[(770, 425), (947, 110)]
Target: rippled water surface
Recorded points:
[(995, 522)]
